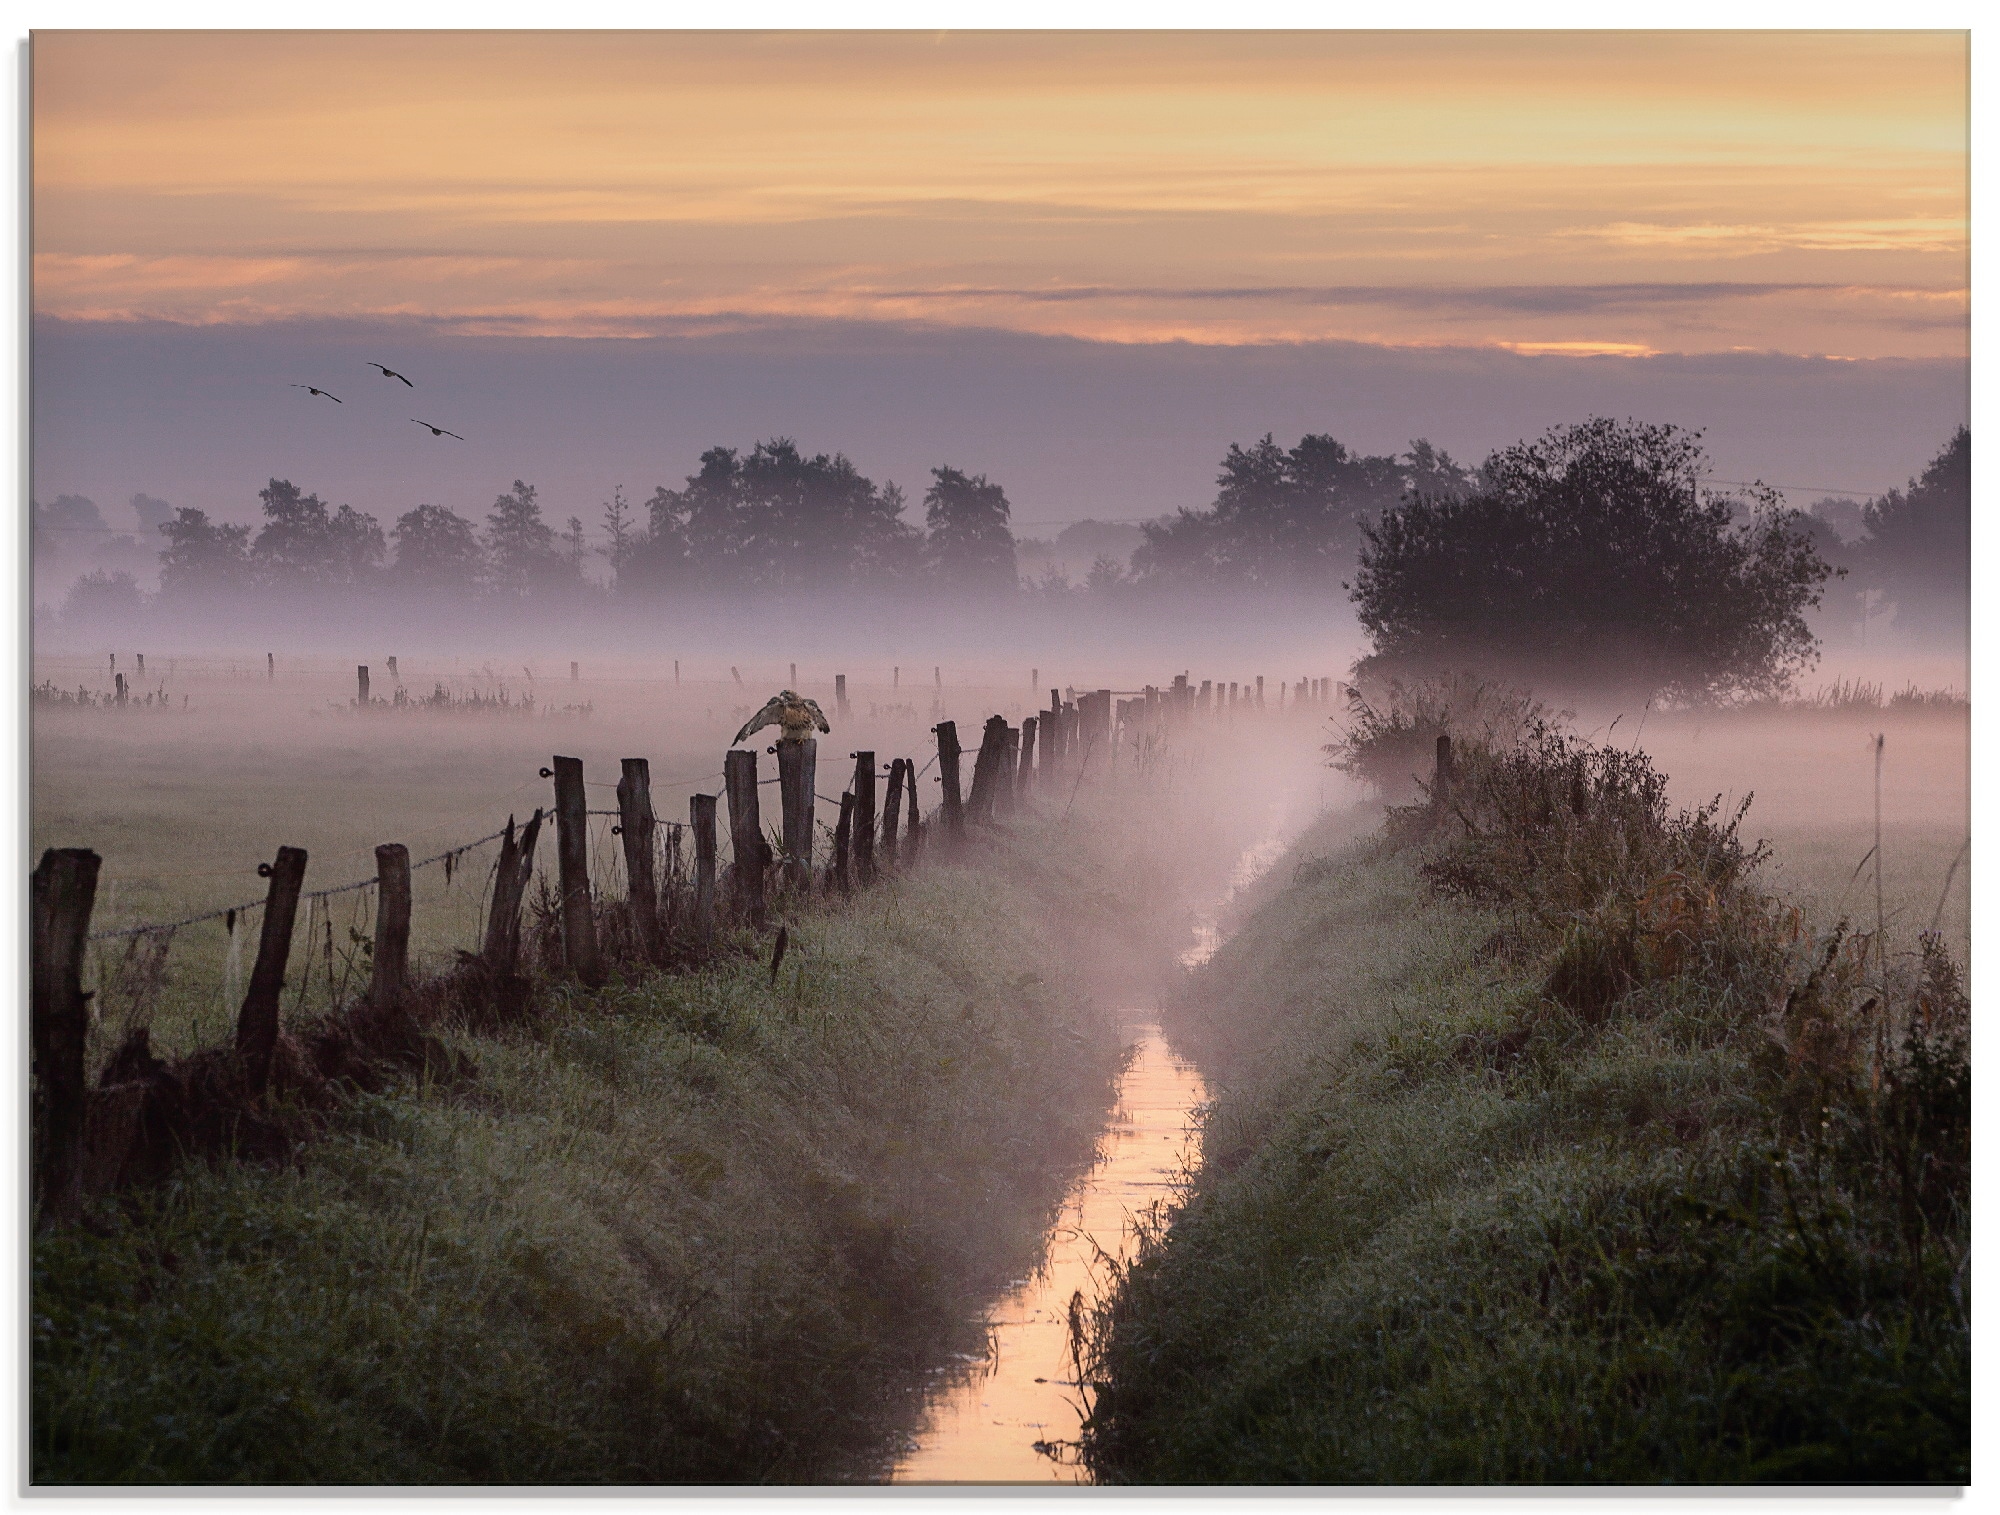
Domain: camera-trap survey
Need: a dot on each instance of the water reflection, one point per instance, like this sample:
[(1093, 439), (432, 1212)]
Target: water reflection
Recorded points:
[(1023, 1392)]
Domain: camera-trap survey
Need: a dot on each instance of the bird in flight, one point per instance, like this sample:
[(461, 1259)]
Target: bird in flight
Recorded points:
[(328, 393), (390, 373), (437, 431)]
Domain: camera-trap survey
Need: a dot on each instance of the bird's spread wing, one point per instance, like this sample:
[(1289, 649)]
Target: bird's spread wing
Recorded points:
[(399, 376), (768, 716), (819, 720)]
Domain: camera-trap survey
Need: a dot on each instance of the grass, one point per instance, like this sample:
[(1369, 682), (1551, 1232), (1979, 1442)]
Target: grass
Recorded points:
[(1548, 1148), (707, 1228)]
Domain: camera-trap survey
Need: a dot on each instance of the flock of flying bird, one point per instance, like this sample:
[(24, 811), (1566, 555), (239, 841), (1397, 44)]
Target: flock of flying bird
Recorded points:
[(387, 373)]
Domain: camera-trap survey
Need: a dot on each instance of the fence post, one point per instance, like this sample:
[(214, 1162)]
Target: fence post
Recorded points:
[(361, 686), (1026, 774), (701, 817), (862, 832), (954, 807), (798, 772), (746, 833), (840, 695), (986, 767), (1441, 778), (64, 890), (270, 665), (392, 925), (635, 829), (573, 873), (510, 883), (393, 671), (842, 835), (257, 1021), (1007, 789), (892, 810)]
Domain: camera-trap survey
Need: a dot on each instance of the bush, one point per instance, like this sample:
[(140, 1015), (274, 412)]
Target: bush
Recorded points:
[(1592, 559)]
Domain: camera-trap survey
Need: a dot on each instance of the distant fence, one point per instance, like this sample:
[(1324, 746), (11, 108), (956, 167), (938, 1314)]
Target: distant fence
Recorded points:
[(141, 1114)]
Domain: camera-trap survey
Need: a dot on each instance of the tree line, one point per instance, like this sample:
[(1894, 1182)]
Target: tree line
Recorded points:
[(1573, 512)]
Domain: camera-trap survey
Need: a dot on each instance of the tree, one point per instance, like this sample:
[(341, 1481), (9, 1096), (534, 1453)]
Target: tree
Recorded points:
[(524, 559), (620, 535), (302, 542), (1288, 519), (969, 543), (1918, 545), (201, 557), (1591, 558), (107, 600), (437, 551)]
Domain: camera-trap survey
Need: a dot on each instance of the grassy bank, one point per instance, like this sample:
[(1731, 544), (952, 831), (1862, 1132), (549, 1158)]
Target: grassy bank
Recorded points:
[(1549, 1148), (717, 1227)]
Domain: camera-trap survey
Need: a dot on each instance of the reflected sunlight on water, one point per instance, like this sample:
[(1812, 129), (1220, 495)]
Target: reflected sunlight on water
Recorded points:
[(985, 1429)]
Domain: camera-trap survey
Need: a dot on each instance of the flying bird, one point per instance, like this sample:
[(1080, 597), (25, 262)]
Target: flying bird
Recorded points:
[(390, 373), (437, 431), (328, 393)]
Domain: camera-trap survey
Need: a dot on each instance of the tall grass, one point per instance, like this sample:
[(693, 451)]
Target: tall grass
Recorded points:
[(1549, 1149), (713, 1227)]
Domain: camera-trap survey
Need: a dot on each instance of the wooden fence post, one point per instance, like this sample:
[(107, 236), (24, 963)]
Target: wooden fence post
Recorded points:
[(361, 686), (746, 833), (892, 810), (636, 829), (843, 835), (391, 973), (986, 768), (64, 891), (840, 695), (1026, 777), (394, 673), (510, 882), (1441, 778), (915, 828), (270, 665), (701, 817), (573, 873), (863, 830), (948, 752), (798, 772), (1007, 789), (257, 1021)]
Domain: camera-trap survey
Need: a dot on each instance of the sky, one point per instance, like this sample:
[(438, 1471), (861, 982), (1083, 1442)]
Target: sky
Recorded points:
[(1030, 253)]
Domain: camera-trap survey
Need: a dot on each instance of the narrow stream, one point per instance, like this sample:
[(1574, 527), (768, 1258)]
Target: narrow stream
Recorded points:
[(985, 1429)]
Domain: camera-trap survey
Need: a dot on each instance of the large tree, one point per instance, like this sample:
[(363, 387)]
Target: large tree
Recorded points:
[(1592, 558), (1287, 519), (1918, 546), (437, 551), (202, 557), (523, 556), (969, 543), (303, 542)]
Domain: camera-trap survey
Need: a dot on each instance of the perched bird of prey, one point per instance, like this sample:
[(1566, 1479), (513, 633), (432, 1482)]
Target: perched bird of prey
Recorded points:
[(329, 394), (437, 431), (793, 714), (390, 373)]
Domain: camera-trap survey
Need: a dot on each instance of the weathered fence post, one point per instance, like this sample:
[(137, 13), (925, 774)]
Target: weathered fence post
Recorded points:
[(257, 1021), (573, 873), (746, 833), (1008, 789), (798, 772), (863, 831), (635, 829), (892, 810), (1026, 778), (361, 686), (118, 684), (572, 673), (391, 974), (913, 832), (986, 768), (840, 695), (510, 882), (843, 835), (701, 817), (1441, 778), (953, 805), (394, 673), (64, 890)]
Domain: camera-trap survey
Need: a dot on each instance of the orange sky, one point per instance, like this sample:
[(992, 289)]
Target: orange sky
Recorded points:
[(1615, 192)]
